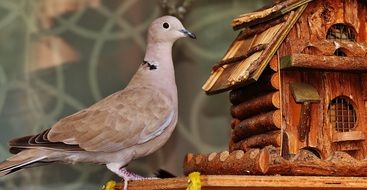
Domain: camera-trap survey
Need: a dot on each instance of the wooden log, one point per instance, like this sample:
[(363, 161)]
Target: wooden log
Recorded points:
[(269, 161), (235, 163), (273, 64), (257, 124), (254, 106), (307, 163), (266, 83), (364, 86), (277, 164), (304, 163), (346, 165), (235, 122), (259, 141), (336, 63)]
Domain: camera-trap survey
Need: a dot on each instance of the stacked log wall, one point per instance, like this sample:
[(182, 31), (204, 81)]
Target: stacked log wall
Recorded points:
[(255, 110)]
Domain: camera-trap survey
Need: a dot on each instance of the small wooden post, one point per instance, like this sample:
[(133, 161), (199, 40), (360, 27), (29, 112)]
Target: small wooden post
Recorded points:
[(305, 94), (304, 123)]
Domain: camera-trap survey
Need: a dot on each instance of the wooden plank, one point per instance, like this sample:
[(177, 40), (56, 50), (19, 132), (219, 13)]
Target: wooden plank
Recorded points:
[(250, 69), (336, 63), (303, 92), (252, 50), (348, 136), (232, 182), (254, 18)]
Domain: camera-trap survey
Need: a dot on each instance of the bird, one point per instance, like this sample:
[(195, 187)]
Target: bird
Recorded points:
[(128, 124)]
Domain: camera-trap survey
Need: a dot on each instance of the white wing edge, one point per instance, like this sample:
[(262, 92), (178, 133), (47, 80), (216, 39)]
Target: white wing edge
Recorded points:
[(159, 131)]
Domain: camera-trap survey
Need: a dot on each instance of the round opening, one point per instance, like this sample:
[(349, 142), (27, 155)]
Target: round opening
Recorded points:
[(341, 32), (340, 52), (342, 114)]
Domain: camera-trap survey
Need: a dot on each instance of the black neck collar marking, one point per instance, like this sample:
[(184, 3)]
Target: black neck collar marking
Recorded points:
[(150, 65)]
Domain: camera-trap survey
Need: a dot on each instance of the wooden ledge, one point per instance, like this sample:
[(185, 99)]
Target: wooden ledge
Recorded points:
[(336, 63), (228, 182)]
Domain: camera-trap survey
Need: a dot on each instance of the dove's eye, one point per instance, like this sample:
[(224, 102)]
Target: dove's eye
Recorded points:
[(165, 25)]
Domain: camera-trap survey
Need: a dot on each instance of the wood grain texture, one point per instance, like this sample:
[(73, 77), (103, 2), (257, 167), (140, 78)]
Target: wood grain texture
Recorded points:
[(254, 161), (258, 141), (257, 125), (337, 63), (254, 106), (232, 182), (268, 82), (310, 32)]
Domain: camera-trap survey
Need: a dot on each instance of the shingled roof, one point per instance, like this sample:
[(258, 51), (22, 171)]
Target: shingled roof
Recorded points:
[(261, 34)]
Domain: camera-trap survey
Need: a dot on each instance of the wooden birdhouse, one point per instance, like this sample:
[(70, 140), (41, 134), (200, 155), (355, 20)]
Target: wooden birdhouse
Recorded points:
[(298, 88)]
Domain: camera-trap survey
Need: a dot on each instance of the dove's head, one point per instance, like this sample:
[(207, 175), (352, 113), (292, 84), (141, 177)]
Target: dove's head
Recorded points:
[(167, 29)]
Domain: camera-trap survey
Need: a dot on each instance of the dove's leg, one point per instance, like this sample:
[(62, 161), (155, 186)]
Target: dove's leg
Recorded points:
[(126, 175)]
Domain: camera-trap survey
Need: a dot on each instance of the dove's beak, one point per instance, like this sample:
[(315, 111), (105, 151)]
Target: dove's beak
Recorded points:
[(188, 33)]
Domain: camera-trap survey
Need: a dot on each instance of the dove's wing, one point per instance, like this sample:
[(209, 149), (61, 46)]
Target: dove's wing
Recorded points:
[(121, 120)]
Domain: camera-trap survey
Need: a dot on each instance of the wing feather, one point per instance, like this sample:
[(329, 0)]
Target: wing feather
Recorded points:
[(121, 120)]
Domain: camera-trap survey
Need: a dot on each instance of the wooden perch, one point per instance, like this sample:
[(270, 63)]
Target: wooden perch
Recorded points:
[(233, 182), (257, 124), (266, 83), (269, 161), (258, 141), (264, 103), (336, 63), (225, 163)]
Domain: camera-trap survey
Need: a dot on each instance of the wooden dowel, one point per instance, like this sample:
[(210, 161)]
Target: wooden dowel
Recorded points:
[(257, 124), (264, 103), (266, 83)]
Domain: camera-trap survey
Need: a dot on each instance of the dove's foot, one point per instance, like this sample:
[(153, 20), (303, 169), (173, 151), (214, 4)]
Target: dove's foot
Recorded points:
[(130, 176)]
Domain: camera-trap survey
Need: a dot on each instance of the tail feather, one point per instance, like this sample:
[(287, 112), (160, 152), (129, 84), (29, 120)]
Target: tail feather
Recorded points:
[(10, 166)]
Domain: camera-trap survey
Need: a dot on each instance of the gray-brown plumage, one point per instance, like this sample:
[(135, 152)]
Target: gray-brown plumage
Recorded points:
[(126, 125)]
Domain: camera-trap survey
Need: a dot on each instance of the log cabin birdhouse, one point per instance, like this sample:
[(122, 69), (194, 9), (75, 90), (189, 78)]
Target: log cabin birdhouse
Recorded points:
[(298, 88)]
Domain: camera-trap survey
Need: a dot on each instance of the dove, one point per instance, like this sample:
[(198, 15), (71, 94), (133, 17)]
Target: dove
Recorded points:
[(131, 123)]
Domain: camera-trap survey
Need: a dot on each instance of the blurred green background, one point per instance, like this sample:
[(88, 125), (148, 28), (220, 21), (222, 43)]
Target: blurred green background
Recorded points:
[(59, 56)]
